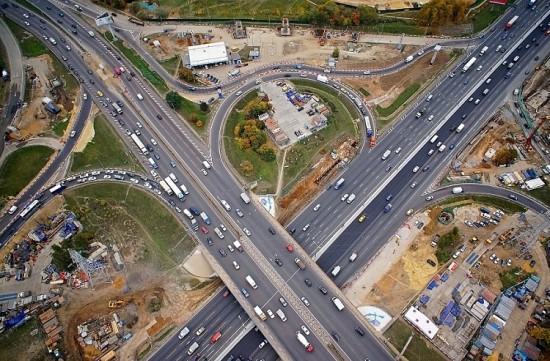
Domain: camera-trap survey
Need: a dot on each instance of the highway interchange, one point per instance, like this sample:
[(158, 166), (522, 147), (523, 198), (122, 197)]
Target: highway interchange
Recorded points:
[(366, 177)]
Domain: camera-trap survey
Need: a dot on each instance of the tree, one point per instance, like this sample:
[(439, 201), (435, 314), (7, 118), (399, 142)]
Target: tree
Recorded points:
[(186, 74), (199, 123), (336, 53), (247, 167), (162, 13), (542, 335), (505, 156), (267, 153), (203, 107), (174, 100), (443, 12)]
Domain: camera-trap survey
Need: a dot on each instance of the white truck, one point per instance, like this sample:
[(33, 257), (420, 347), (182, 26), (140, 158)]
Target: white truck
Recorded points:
[(260, 313), (459, 128), (245, 198), (175, 188), (353, 256), (238, 246), (339, 305), (194, 224), (322, 78), (205, 218), (153, 163), (184, 189), (303, 340), (166, 187), (251, 282), (173, 177), (139, 144), (335, 271), (91, 33), (386, 154), (483, 51), (468, 64)]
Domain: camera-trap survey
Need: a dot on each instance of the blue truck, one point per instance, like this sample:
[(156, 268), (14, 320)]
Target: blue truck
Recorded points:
[(205, 218)]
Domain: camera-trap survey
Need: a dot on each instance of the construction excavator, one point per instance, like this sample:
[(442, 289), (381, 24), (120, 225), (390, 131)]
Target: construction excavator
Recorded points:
[(116, 304)]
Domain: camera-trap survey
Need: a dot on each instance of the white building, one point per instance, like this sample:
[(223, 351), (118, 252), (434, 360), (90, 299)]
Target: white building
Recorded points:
[(206, 54)]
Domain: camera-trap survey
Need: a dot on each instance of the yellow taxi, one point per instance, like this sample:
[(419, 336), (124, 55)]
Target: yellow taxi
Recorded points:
[(99, 93), (362, 218), (410, 211)]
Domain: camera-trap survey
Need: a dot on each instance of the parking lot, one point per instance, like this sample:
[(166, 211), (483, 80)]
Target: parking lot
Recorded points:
[(291, 121)]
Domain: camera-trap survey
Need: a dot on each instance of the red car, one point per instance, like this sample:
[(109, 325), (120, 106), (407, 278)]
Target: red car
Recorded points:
[(226, 294), (289, 248), (204, 230)]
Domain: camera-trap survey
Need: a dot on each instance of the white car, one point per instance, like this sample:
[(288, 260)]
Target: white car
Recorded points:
[(68, 47), (222, 226), (204, 171), (493, 256), (85, 96), (73, 133), (270, 313), (305, 301), (415, 169), (230, 248), (236, 265), (178, 209), (429, 198), (344, 197), (366, 72), (139, 125), (397, 150), (430, 117), (304, 329), (238, 93), (262, 345), (246, 231), (27, 23), (154, 142), (316, 208), (106, 176)]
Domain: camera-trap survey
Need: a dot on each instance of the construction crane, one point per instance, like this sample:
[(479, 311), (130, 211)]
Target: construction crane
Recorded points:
[(530, 137)]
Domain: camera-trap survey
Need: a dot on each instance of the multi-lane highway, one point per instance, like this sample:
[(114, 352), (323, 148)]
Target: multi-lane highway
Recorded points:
[(366, 178)]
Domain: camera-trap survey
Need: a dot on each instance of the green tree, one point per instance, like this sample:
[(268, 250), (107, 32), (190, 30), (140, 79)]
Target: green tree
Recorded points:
[(162, 13), (443, 12), (186, 74), (267, 153), (247, 167), (505, 156), (203, 107), (336, 53), (174, 100), (543, 336)]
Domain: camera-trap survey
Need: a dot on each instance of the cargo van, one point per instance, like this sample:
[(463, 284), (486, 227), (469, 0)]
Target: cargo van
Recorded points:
[(429, 97), (339, 305), (300, 263), (187, 213), (184, 189), (139, 96), (173, 177), (215, 337), (183, 333), (434, 138), (281, 315), (12, 209), (245, 198), (251, 282), (206, 164), (486, 91), (335, 271), (351, 198), (194, 347)]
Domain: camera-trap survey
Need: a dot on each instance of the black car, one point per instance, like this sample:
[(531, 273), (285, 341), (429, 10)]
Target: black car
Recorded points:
[(132, 73), (222, 252), (287, 75), (323, 290), (291, 231), (532, 263), (92, 81), (278, 261), (149, 148), (359, 330), (210, 242), (121, 122), (389, 197), (336, 336), (159, 117), (40, 195), (271, 230), (528, 257), (430, 262), (308, 282), (172, 203), (120, 104)]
